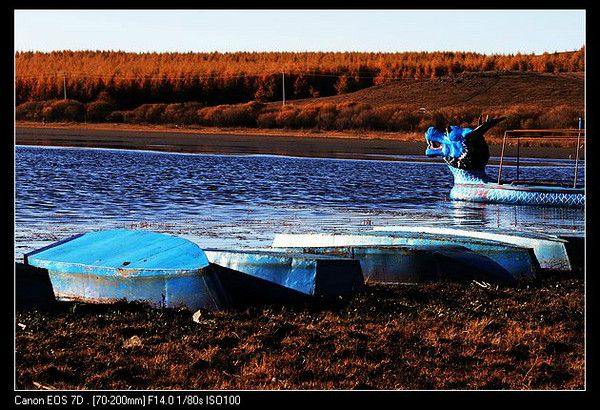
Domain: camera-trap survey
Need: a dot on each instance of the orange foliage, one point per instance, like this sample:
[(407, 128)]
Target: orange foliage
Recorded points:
[(322, 116), (133, 79)]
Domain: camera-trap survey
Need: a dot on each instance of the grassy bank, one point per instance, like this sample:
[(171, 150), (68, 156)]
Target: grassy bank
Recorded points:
[(315, 116), (209, 130), (428, 336)]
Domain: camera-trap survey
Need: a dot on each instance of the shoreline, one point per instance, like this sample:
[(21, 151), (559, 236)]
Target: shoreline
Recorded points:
[(341, 145)]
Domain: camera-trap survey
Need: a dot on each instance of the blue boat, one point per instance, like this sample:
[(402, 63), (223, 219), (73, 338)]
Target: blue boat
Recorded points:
[(309, 275), (551, 251), (413, 264), (131, 265), (520, 262), (466, 153)]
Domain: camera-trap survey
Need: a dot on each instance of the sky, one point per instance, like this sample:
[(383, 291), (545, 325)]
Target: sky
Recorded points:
[(485, 31)]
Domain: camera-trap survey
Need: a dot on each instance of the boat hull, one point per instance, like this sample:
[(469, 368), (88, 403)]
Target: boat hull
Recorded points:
[(109, 266), (520, 262), (414, 264), (552, 252), (311, 275), (519, 195)]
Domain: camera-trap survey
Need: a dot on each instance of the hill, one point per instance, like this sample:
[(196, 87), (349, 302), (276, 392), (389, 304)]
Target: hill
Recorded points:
[(527, 99), (486, 90), (133, 79)]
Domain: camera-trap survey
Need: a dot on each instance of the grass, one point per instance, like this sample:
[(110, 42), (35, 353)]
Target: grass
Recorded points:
[(426, 336), (486, 90)]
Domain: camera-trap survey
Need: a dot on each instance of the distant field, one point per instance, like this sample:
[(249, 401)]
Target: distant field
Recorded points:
[(367, 92)]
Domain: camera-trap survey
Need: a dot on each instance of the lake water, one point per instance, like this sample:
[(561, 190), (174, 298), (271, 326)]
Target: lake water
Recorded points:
[(227, 200)]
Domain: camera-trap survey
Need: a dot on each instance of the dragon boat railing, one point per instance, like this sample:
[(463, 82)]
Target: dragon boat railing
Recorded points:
[(547, 134)]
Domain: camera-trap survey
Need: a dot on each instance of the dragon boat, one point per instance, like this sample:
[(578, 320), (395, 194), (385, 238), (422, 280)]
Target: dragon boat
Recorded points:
[(466, 153)]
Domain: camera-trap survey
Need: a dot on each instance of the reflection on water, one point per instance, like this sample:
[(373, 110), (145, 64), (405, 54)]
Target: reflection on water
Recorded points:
[(220, 200)]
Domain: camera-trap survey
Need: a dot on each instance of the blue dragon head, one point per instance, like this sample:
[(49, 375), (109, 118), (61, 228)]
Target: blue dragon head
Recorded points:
[(462, 148)]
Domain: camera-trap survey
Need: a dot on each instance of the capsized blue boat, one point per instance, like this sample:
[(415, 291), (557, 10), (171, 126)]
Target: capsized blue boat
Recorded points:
[(312, 275), (412, 264), (520, 262), (550, 250), (132, 265)]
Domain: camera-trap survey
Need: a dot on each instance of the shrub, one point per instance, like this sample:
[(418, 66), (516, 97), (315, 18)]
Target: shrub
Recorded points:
[(267, 120), (30, 111), (562, 116), (404, 120), (346, 114), (323, 115), (182, 113), (63, 110), (241, 115), (116, 116), (519, 116), (99, 110), (326, 118), (306, 116), (286, 117), (146, 113)]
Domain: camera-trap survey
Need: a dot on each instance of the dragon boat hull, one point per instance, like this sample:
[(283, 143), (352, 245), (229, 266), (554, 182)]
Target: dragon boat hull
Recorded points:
[(477, 186), (539, 195)]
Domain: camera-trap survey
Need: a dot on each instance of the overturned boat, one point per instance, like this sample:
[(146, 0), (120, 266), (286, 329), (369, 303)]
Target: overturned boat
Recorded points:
[(553, 252), (518, 262), (467, 153), (288, 273), (419, 263), (130, 265), (169, 271)]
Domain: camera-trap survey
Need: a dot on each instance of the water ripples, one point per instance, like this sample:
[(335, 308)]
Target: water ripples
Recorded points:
[(244, 200)]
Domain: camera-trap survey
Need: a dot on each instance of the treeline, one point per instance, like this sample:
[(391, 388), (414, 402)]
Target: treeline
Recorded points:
[(133, 79), (321, 116)]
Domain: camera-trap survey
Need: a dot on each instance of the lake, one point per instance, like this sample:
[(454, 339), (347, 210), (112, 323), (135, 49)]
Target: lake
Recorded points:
[(234, 200)]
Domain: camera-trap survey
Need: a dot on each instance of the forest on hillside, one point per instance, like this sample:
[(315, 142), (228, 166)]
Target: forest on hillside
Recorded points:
[(234, 89), (133, 79)]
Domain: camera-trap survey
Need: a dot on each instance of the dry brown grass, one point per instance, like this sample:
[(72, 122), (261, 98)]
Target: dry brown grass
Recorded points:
[(429, 336), (487, 91)]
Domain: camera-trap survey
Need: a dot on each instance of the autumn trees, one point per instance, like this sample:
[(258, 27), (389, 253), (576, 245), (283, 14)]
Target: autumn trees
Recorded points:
[(133, 79), (234, 89)]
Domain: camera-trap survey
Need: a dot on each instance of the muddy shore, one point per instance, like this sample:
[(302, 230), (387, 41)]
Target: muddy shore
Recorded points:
[(320, 145)]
